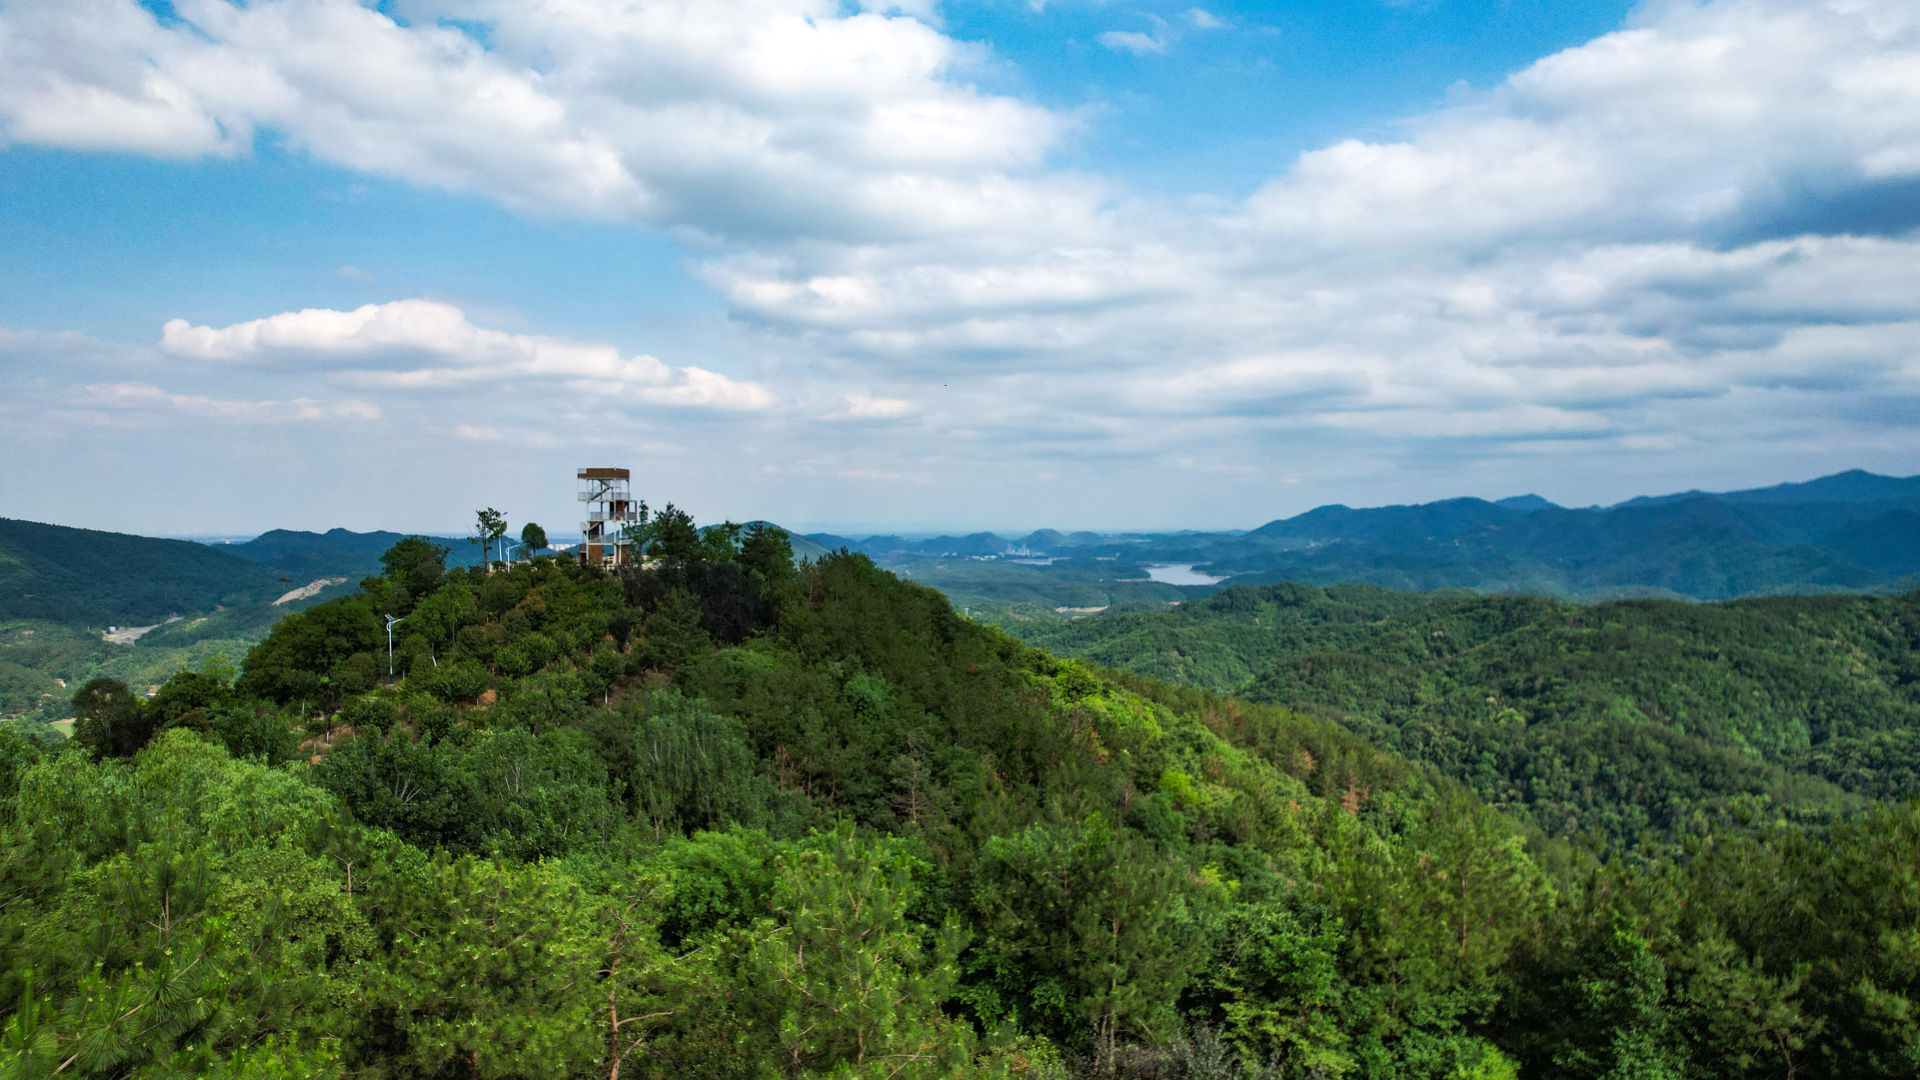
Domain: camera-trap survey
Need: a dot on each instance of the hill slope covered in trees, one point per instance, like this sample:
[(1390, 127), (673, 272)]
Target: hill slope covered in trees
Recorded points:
[(720, 817), (89, 577), (1617, 718)]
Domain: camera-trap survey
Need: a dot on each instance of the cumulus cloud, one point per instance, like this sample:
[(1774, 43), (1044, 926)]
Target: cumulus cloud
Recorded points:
[(769, 117), (1613, 245), (1696, 230), (426, 344), (1693, 122)]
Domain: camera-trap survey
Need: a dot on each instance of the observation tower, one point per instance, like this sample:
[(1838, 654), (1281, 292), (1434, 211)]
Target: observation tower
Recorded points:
[(610, 509)]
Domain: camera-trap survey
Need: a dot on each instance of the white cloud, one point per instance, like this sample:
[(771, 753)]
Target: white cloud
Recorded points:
[(1690, 123), (781, 117), (1696, 232), (144, 397), (1613, 244), (869, 407), (1136, 42), (426, 344), (1203, 19)]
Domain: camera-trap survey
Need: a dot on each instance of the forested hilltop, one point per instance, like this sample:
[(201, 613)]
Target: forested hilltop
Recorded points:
[(724, 817), (1629, 720)]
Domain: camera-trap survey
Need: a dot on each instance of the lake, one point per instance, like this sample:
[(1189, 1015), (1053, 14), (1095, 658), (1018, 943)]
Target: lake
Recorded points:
[(1180, 574)]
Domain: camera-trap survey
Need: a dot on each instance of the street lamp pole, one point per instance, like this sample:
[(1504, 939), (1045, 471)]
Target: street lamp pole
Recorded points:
[(391, 622)]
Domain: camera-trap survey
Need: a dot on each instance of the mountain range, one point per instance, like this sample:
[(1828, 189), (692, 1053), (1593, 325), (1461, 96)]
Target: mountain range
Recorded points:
[(1853, 531)]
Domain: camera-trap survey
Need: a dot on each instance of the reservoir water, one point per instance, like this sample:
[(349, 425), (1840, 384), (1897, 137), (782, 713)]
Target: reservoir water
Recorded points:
[(1180, 574)]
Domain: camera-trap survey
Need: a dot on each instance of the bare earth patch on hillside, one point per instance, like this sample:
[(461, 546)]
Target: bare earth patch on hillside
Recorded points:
[(310, 589), (127, 635)]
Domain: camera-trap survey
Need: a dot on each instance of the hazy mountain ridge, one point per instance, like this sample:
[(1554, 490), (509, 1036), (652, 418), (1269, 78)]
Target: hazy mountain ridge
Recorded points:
[(1851, 532)]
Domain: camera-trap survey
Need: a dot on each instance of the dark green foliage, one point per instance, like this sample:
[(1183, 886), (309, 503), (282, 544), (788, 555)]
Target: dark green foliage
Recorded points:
[(109, 721), (97, 578), (319, 657), (767, 550), (305, 556), (1086, 930), (672, 538), (417, 564), (533, 538), (720, 816)]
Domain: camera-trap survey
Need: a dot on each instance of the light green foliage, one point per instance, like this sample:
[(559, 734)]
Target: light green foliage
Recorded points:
[(491, 973), (170, 941), (1635, 721), (1276, 976), (846, 983), (692, 768)]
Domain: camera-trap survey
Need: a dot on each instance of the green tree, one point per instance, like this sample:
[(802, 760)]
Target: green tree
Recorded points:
[(840, 980), (416, 563), (692, 768), (1277, 979), (491, 973), (489, 526), (672, 537), (672, 632), (108, 720), (767, 550), (533, 538), (1087, 934), (317, 657), (720, 543), (1616, 1016)]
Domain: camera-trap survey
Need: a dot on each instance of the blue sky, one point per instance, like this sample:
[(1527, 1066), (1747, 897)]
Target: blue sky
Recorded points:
[(305, 263)]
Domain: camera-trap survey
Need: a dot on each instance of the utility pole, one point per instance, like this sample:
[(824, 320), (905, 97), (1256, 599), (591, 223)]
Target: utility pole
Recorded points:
[(391, 622)]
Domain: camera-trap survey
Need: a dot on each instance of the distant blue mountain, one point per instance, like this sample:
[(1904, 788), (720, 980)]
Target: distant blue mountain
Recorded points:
[(336, 552), (1852, 486), (1850, 531)]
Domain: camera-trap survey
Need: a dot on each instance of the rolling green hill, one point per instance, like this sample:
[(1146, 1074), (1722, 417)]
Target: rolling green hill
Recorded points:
[(82, 576), (721, 817), (1618, 718), (60, 587), (336, 552)]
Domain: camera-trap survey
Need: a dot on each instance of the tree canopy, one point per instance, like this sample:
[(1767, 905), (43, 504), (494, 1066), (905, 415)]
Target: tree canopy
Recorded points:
[(721, 816)]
